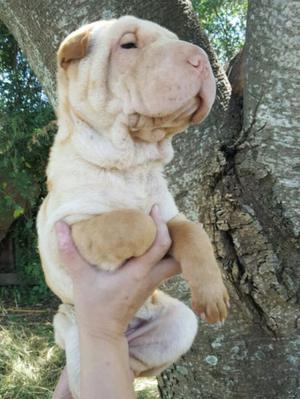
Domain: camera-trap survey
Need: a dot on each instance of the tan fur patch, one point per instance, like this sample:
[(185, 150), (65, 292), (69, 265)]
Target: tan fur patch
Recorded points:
[(109, 239), (154, 298), (192, 249), (74, 48), (190, 241)]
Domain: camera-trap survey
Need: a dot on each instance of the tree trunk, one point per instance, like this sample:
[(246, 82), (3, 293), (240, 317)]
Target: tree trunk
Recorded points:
[(241, 183)]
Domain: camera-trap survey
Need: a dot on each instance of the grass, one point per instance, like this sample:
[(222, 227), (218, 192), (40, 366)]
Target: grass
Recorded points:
[(146, 388), (30, 362)]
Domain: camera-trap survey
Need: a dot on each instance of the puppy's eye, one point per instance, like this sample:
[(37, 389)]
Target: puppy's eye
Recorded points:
[(129, 45)]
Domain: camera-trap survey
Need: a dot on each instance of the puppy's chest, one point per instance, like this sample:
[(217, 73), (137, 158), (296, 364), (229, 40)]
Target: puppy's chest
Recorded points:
[(135, 189)]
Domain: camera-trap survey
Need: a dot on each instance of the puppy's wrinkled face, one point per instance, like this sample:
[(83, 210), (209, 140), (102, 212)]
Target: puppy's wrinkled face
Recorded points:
[(137, 69)]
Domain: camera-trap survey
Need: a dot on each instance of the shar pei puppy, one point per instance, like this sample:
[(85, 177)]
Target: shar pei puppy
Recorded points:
[(125, 87)]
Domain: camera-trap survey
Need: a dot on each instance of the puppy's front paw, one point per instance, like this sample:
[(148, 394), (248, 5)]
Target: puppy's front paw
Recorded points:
[(210, 299)]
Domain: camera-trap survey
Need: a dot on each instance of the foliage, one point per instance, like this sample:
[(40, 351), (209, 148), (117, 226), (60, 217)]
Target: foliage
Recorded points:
[(24, 146), (23, 109), (225, 23), (34, 288)]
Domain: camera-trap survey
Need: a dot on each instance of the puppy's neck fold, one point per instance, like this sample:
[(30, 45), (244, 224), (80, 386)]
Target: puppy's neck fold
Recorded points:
[(114, 149)]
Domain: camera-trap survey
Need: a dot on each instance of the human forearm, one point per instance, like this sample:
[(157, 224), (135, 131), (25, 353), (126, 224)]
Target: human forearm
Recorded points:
[(105, 372)]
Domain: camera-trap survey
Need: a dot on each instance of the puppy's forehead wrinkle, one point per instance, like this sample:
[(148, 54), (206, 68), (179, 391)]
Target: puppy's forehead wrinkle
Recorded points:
[(97, 92), (106, 80), (147, 31)]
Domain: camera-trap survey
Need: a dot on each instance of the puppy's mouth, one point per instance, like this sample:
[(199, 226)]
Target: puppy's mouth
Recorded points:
[(155, 128), (201, 111), (185, 112)]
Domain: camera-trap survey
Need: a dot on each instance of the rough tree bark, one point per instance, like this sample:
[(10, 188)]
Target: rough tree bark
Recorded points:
[(242, 183)]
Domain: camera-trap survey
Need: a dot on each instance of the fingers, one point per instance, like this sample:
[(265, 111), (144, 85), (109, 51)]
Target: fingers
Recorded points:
[(163, 270), (161, 244), (67, 250)]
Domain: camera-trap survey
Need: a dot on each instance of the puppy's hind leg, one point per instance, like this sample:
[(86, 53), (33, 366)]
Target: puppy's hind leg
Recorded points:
[(159, 341)]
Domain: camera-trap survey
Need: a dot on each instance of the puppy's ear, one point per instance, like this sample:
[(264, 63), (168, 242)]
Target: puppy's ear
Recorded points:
[(74, 47)]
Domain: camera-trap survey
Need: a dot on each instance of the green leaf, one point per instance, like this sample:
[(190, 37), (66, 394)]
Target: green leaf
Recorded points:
[(18, 212)]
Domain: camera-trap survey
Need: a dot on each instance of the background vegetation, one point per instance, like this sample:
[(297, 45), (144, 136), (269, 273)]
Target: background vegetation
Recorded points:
[(225, 24), (24, 146)]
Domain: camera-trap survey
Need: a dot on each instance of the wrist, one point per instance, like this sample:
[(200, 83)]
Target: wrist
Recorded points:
[(100, 326), (110, 336)]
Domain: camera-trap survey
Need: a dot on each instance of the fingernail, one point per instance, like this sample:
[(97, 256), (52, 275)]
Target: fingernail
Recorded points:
[(58, 230), (61, 236), (203, 317)]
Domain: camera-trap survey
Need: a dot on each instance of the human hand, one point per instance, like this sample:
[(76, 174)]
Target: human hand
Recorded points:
[(105, 302)]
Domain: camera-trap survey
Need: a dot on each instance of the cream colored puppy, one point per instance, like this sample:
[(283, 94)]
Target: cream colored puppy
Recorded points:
[(125, 87)]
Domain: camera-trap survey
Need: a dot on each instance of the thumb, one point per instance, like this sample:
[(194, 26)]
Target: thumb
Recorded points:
[(163, 270), (68, 252)]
